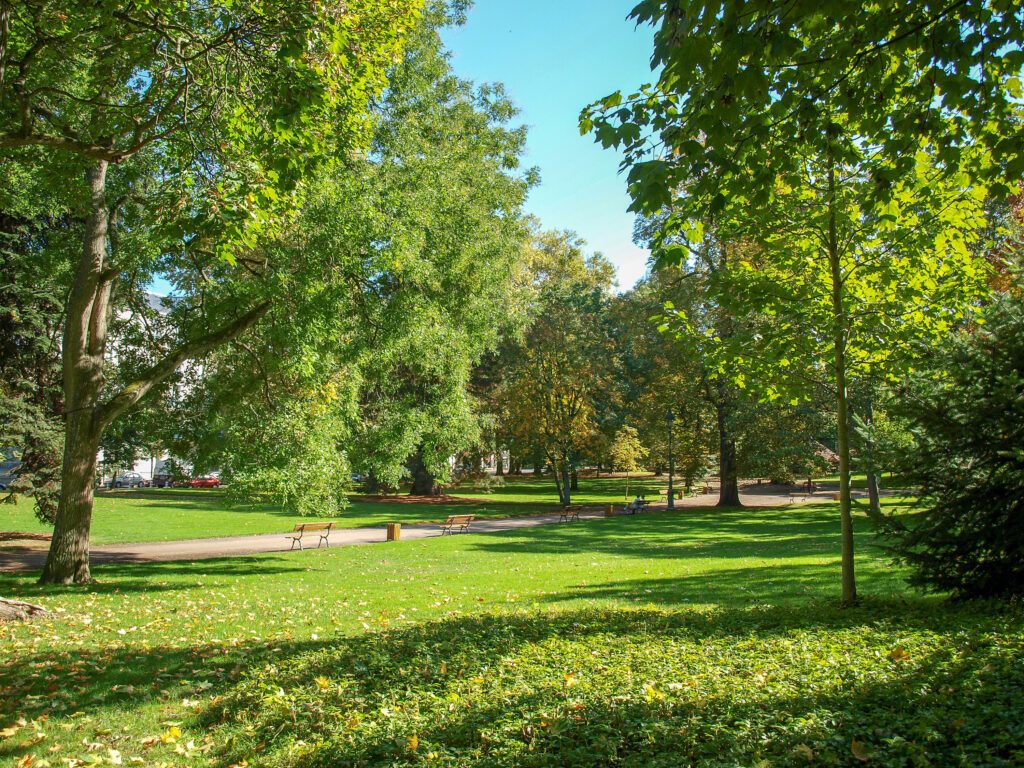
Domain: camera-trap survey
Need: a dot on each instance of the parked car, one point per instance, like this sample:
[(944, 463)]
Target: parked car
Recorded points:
[(205, 481), (163, 480), (128, 480)]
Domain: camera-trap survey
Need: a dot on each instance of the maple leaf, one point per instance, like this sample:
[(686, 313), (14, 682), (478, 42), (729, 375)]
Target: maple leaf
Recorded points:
[(899, 653)]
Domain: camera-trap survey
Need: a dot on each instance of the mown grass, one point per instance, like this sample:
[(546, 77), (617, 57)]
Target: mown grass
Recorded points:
[(702, 637), (859, 480), (158, 514)]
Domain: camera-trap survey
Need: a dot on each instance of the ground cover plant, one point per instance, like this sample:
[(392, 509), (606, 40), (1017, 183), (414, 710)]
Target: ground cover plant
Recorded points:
[(703, 636), (158, 514)]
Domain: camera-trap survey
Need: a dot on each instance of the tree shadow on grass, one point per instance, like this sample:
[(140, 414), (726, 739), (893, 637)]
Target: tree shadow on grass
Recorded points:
[(127, 577), (642, 688), (735, 586), (765, 533)]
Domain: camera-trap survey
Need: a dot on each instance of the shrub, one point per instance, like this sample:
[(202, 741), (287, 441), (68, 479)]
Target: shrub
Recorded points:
[(968, 460)]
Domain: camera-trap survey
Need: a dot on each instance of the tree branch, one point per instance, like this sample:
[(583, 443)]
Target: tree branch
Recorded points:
[(139, 388)]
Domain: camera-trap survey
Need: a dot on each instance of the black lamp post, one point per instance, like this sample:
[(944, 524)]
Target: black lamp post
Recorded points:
[(669, 418)]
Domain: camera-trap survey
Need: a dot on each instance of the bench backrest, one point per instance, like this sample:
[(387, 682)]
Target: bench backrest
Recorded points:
[(574, 508), (459, 519), (314, 526)]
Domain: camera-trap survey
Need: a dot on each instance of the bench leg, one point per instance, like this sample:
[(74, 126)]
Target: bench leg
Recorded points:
[(323, 540)]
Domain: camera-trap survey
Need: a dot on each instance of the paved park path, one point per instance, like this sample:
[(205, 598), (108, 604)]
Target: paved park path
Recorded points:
[(25, 555)]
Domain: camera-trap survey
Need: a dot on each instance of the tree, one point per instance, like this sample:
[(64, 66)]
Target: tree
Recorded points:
[(211, 112), (660, 374), (34, 235), (966, 415), (563, 376), (395, 277), (846, 141), (627, 453)]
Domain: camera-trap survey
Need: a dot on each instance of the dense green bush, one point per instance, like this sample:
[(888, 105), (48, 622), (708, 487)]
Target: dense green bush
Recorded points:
[(968, 461)]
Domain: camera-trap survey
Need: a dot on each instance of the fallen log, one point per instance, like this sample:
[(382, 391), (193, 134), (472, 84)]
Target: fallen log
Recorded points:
[(15, 610)]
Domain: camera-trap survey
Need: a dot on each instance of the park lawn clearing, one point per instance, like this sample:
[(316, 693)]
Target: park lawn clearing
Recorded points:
[(703, 637), (172, 514)]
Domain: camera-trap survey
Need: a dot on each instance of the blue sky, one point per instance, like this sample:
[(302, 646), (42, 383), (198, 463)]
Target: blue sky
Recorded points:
[(554, 57)]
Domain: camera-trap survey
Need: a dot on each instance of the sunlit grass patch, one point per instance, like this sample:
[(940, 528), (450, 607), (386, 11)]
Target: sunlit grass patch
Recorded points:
[(711, 596)]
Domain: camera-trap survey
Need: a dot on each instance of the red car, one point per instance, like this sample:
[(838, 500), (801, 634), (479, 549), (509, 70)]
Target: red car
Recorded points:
[(205, 481)]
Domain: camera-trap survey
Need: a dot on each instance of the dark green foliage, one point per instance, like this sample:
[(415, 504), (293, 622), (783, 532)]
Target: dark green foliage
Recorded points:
[(758, 686), (968, 460), (31, 286)]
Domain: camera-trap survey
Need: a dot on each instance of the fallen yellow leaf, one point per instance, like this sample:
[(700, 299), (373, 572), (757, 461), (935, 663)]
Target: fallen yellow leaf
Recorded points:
[(899, 653)]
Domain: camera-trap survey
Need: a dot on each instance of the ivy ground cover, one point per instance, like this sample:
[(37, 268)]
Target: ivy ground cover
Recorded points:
[(696, 638)]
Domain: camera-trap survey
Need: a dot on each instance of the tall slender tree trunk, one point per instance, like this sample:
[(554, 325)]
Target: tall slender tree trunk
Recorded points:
[(874, 497), (84, 343), (574, 480), (842, 406), (499, 461), (728, 473), (722, 398), (563, 488)]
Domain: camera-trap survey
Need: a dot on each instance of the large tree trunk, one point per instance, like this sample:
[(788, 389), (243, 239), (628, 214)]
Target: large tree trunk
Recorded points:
[(371, 484), (85, 331), (68, 559), (842, 406), (499, 462), (574, 480), (728, 474), (423, 483)]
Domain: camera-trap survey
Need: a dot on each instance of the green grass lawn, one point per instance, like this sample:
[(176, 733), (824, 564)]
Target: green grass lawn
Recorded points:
[(158, 514), (703, 637), (859, 480)]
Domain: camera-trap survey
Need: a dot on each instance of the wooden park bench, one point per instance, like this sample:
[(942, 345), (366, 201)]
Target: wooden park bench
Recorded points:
[(456, 521), (324, 529), (570, 513)]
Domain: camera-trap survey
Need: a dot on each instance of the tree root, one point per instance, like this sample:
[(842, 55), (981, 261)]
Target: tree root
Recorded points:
[(15, 610)]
